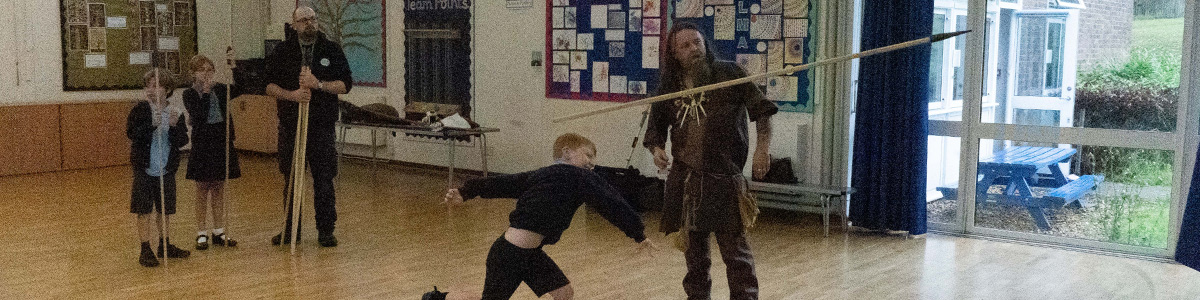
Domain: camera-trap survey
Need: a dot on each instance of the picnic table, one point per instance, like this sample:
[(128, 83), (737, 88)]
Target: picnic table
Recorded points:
[(1017, 169)]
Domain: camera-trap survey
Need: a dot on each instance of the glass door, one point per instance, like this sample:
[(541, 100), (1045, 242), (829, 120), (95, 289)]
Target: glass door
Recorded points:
[(1068, 129), (947, 91), (1044, 65)]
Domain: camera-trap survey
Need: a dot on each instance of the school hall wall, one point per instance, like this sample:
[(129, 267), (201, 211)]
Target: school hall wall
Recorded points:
[(509, 93), (30, 38), (48, 129)]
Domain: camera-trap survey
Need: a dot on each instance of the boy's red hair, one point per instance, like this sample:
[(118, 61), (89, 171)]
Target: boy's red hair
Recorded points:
[(571, 141)]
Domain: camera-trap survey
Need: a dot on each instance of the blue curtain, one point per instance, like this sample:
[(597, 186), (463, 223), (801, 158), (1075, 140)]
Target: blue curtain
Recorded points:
[(1187, 252), (890, 143)]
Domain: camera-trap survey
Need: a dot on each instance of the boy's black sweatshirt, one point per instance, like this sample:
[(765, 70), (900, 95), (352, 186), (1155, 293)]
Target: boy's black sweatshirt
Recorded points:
[(140, 130), (547, 199)]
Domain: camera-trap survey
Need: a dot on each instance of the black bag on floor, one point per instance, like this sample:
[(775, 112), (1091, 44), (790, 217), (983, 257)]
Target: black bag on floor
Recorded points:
[(643, 193), (781, 172)]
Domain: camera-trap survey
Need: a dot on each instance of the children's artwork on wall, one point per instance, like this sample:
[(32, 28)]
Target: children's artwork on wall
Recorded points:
[(621, 49), (761, 36), (650, 52), (612, 42), (108, 44), (689, 8)]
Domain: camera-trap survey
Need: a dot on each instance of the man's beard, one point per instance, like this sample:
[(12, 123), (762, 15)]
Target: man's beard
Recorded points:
[(308, 36), (696, 67)]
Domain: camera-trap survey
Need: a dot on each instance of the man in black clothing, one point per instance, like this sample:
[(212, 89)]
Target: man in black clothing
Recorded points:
[(309, 68), (547, 199), (705, 190)]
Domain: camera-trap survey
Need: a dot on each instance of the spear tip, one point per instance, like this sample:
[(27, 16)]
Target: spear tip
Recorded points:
[(942, 36)]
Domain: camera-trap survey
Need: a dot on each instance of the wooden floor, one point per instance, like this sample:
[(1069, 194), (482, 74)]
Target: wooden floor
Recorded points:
[(69, 235)]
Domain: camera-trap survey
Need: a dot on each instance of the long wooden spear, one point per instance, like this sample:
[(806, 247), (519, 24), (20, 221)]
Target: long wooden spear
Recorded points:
[(298, 164), (226, 197), (299, 152), (164, 235), (932, 39)]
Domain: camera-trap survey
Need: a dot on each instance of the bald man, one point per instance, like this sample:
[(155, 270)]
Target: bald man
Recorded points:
[(309, 68)]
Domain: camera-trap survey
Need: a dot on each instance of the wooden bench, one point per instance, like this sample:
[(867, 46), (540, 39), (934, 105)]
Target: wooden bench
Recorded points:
[(1073, 191), (791, 197)]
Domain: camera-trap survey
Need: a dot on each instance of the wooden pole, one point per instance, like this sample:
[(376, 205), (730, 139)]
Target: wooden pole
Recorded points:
[(226, 197), (298, 171), (164, 235), (723, 84)]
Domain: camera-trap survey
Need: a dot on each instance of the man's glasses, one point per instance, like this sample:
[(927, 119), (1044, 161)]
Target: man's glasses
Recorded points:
[(307, 20)]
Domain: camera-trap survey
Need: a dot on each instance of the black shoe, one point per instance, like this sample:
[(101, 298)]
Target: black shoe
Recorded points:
[(146, 259), (327, 240), (173, 252), (221, 240), (282, 239), (201, 242), (434, 295)]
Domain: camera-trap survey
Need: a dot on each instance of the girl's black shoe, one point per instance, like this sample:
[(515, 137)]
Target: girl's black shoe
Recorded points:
[(221, 240), (201, 242)]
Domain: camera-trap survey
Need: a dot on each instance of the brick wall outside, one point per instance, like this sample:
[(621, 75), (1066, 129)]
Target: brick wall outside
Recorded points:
[(1105, 30)]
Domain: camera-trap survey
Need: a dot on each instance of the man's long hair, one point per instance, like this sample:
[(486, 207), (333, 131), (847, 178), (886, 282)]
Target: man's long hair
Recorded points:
[(671, 71)]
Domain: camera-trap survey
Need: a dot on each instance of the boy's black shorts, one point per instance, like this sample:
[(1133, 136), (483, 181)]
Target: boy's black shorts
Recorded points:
[(509, 265), (144, 196)]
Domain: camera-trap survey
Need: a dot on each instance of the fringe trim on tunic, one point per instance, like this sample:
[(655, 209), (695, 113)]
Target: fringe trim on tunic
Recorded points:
[(692, 193)]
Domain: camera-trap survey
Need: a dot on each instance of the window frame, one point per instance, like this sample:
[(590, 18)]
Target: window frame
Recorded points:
[(1078, 4)]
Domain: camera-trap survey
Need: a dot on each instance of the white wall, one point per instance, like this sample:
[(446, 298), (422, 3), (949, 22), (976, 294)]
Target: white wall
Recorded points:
[(509, 93), (8, 62), (31, 36)]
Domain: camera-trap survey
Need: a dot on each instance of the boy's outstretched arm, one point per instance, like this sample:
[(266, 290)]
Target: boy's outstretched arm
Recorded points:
[(613, 208), (496, 186)]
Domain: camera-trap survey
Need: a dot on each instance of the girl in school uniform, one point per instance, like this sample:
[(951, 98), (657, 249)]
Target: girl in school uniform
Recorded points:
[(206, 103)]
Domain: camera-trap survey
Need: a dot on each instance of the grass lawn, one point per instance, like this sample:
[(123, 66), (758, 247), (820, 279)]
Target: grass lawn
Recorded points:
[(1154, 58), (1163, 34)]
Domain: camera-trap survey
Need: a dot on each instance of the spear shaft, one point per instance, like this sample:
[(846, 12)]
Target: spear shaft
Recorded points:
[(788, 70)]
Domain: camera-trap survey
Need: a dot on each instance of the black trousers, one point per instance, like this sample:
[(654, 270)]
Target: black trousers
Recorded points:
[(739, 266), (321, 159)]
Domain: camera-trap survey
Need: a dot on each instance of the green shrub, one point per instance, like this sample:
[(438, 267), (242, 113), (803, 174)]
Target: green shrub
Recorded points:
[(1146, 108), (1158, 9), (1127, 165), (1146, 68)]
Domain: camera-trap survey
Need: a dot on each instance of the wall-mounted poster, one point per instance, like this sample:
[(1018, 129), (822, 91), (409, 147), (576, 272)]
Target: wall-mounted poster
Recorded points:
[(359, 27), (98, 36), (614, 43), (624, 37), (761, 36)]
